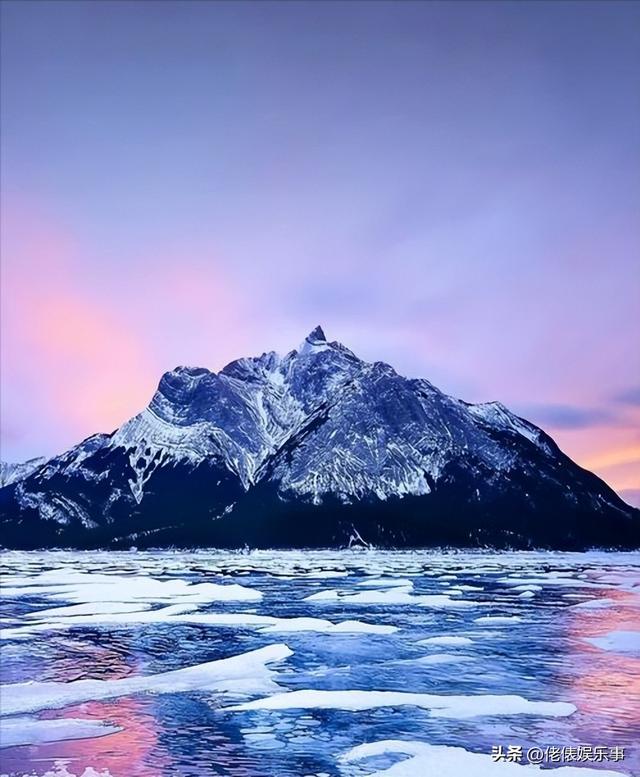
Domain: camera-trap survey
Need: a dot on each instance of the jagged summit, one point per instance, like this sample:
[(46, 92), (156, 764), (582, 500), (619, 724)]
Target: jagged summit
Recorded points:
[(317, 335), (315, 341), (306, 449)]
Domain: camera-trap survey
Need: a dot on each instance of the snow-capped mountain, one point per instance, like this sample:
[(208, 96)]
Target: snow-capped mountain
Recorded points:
[(11, 473), (316, 447)]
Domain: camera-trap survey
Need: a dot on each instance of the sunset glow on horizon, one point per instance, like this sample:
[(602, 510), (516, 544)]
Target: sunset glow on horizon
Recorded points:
[(212, 180)]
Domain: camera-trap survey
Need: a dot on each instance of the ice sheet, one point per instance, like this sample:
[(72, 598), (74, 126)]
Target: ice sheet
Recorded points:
[(187, 614), (443, 761), (246, 673), (440, 706), (324, 573), (549, 579), (499, 661), (32, 731), (594, 604), (618, 642), (81, 588), (387, 582), (392, 596), (317, 624), (119, 618), (60, 770), (90, 608)]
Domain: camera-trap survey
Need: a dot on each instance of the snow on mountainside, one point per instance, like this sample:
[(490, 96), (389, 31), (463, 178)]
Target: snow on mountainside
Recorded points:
[(308, 448), (11, 473), (243, 414)]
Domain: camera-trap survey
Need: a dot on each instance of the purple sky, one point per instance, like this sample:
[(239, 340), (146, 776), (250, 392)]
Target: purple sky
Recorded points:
[(452, 187)]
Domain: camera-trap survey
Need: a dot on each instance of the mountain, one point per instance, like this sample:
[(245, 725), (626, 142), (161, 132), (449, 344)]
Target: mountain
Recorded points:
[(315, 448), (10, 473)]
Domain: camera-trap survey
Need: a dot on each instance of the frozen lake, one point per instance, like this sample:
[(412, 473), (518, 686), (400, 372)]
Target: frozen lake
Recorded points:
[(350, 663)]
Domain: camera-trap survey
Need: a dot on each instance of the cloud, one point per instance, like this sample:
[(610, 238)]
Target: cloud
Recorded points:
[(630, 396), (631, 496), (71, 366), (87, 335), (616, 457), (557, 416)]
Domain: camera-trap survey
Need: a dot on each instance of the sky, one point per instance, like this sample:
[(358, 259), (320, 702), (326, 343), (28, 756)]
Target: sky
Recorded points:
[(453, 188)]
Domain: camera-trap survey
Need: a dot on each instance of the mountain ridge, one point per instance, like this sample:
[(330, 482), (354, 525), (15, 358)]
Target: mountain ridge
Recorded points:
[(312, 448)]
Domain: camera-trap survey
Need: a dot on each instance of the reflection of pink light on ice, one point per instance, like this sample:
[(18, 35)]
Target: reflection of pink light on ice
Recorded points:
[(134, 750), (607, 686)]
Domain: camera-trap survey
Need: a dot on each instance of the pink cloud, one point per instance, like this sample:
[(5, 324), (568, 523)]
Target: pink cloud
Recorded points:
[(612, 452), (82, 354), (71, 365)]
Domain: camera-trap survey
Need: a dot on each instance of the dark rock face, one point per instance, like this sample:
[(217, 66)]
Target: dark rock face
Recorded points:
[(316, 448)]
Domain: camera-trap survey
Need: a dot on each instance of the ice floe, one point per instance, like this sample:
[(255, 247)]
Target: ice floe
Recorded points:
[(188, 614), (445, 761), (322, 596), (34, 731), (594, 604), (618, 642), (549, 579), (60, 769), (62, 576), (317, 624), (440, 706), (89, 608), (324, 573), (82, 588), (242, 674), (392, 596), (386, 582), (125, 618), (498, 619)]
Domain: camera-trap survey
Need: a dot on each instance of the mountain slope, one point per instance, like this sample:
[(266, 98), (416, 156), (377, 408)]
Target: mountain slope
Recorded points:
[(314, 448), (11, 473)]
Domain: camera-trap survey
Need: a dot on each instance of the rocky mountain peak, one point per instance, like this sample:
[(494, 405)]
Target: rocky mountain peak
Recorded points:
[(316, 335), (302, 450)]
